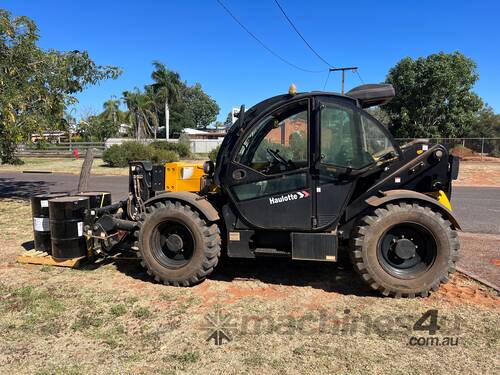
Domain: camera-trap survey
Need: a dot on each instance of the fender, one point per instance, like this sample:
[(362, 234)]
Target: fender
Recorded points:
[(192, 199), (399, 194)]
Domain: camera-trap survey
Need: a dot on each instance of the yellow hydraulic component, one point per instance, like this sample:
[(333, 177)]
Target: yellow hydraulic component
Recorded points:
[(181, 176), (442, 198)]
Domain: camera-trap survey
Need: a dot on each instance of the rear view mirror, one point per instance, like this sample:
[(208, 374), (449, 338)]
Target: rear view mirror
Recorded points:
[(208, 167)]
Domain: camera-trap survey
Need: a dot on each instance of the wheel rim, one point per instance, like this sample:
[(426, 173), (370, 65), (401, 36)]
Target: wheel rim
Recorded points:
[(407, 250), (173, 244)]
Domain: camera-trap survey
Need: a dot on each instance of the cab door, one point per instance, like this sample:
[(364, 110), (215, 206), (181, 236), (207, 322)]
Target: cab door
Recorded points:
[(348, 142), (268, 179)]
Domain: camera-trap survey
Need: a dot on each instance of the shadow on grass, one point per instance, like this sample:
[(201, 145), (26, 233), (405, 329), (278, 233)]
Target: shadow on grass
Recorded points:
[(10, 188), (28, 245), (329, 277)]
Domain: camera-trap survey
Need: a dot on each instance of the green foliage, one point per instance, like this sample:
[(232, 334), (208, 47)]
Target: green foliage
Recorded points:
[(95, 129), (181, 149), (189, 106), (118, 310), (37, 85), (202, 109), (229, 120), (163, 156), (212, 155), (120, 155), (434, 96), (486, 124)]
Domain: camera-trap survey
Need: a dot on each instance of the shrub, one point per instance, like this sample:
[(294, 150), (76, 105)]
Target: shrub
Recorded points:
[(120, 155), (182, 149), (212, 155), (163, 156)]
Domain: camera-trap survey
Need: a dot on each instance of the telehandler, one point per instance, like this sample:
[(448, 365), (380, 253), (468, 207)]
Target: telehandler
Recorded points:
[(300, 175)]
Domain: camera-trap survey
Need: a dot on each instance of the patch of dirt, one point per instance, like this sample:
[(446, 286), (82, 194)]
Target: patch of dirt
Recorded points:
[(462, 289), (477, 173), (495, 262), (484, 159)]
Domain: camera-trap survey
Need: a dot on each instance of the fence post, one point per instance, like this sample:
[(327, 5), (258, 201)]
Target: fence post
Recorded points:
[(482, 148)]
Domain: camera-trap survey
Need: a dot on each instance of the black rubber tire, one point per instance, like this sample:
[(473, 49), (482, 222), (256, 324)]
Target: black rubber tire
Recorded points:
[(365, 241), (206, 244)]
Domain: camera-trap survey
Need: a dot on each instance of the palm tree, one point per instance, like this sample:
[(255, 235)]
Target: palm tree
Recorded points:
[(131, 100), (167, 87), (111, 110), (142, 111)]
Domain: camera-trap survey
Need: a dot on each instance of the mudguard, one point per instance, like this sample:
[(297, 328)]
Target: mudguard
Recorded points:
[(196, 201), (400, 194)]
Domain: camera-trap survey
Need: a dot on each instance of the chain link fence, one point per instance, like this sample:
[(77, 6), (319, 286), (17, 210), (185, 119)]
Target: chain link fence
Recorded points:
[(465, 147)]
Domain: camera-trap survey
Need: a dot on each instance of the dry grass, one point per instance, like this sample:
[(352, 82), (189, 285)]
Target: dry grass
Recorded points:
[(71, 165), (62, 165), (111, 318)]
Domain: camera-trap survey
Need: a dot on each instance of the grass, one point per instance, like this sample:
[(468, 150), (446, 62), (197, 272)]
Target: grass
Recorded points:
[(283, 317), (62, 165), (70, 165)]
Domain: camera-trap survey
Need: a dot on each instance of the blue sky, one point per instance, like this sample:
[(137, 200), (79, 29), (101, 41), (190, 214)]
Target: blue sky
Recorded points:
[(200, 41)]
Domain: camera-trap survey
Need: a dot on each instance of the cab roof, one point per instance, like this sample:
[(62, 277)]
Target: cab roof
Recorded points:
[(363, 96)]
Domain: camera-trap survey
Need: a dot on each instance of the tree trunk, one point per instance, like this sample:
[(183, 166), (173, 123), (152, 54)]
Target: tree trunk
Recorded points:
[(83, 183), (167, 121)]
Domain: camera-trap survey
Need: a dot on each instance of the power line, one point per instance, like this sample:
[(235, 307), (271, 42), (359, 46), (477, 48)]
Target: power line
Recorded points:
[(301, 36), (263, 44), (359, 76), (326, 81)]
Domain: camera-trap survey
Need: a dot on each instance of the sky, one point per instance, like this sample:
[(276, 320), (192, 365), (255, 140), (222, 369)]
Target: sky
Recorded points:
[(199, 40)]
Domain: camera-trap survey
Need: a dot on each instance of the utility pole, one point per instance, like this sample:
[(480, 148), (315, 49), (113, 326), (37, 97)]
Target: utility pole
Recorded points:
[(343, 73)]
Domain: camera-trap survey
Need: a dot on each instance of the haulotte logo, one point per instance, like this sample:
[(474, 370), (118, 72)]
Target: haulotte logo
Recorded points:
[(289, 197)]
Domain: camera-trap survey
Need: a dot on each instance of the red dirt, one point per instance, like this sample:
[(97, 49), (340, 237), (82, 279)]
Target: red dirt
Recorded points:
[(233, 293), (460, 294), (489, 159), (495, 262)]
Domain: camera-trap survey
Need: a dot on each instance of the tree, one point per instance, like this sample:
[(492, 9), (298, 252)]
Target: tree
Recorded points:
[(186, 106), (167, 86), (434, 96), (111, 111), (380, 115), (36, 85), (203, 109), (229, 120), (486, 124), (142, 112)]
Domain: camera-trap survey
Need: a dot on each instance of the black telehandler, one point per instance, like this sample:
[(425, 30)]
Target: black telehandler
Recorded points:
[(309, 176)]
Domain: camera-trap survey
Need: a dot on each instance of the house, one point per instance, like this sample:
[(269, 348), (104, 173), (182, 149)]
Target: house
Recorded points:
[(204, 134)]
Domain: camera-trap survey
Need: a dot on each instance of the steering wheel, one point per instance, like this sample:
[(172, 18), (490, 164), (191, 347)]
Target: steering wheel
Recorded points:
[(276, 156)]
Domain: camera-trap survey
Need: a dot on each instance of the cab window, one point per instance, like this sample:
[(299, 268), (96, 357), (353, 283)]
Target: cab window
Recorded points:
[(349, 139), (278, 143)]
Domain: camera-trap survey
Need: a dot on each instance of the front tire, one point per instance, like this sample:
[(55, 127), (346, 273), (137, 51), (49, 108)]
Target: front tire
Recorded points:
[(177, 246), (404, 250)]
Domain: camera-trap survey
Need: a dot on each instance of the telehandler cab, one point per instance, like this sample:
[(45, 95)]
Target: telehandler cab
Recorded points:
[(305, 176)]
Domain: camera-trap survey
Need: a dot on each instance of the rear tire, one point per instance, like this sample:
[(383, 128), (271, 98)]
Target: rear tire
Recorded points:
[(177, 246), (404, 250)]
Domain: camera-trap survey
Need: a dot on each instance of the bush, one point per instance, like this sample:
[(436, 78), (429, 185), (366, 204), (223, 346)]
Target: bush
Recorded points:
[(212, 155), (120, 155), (163, 156), (181, 148)]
